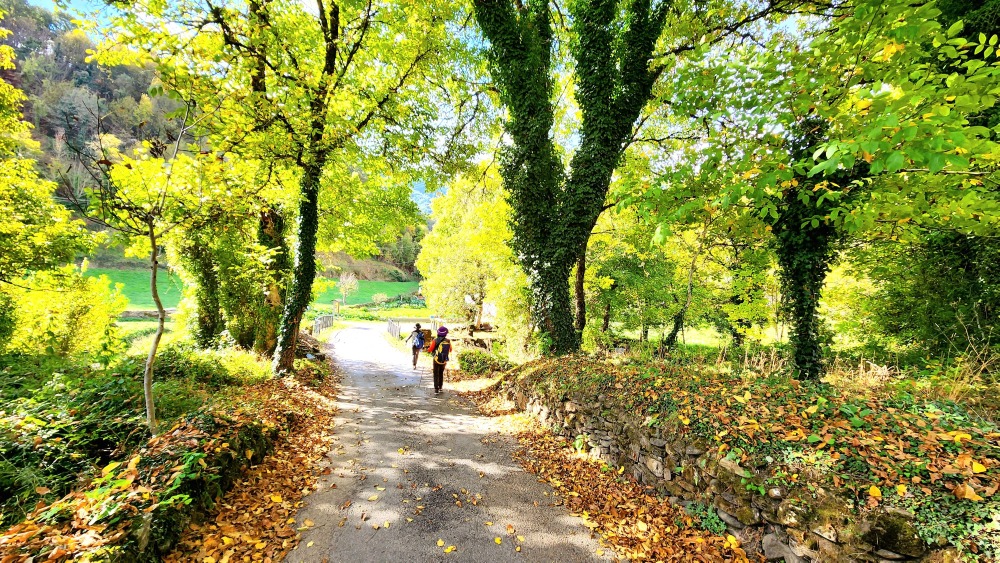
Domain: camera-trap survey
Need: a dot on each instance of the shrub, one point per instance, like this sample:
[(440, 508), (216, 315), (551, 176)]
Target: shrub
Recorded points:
[(63, 313), (380, 298), (216, 368), (480, 362)]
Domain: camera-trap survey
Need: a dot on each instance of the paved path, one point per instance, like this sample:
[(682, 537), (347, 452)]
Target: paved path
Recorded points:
[(437, 468)]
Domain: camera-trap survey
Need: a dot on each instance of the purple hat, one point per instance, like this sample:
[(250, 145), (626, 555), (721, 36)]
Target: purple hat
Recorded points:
[(443, 331)]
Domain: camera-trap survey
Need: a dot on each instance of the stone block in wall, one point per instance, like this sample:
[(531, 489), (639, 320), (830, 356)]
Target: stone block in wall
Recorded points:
[(791, 514), (895, 532), (655, 466)]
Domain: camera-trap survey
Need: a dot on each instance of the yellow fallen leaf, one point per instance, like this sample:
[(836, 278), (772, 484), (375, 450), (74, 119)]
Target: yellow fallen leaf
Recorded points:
[(520, 538), (966, 492), (290, 521), (379, 488), (208, 559), (978, 467), (875, 492), (510, 529), (489, 523), (386, 525), (260, 545), (642, 526), (401, 451), (517, 548), (497, 540), (373, 498), (227, 540), (901, 490), (309, 523), (449, 549), (310, 544), (440, 543), (599, 552), (409, 519), (275, 498)]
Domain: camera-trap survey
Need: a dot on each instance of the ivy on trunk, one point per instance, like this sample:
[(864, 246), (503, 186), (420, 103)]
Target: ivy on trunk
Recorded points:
[(554, 213)]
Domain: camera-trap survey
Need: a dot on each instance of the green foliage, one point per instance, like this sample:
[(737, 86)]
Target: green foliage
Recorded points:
[(61, 420), (941, 294), (480, 362), (708, 518), (65, 313), (214, 368), (75, 421), (466, 259)]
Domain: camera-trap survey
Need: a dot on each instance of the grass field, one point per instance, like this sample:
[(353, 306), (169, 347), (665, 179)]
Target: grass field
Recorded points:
[(366, 289), (136, 288)]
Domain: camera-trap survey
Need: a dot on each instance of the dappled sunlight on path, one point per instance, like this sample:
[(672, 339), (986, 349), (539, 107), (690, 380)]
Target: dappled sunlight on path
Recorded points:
[(410, 468)]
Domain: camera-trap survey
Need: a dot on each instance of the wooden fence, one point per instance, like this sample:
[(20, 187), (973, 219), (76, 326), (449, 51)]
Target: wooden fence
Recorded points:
[(322, 323), (393, 328)]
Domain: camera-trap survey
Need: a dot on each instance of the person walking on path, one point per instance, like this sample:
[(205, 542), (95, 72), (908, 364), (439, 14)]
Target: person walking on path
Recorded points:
[(440, 349), (418, 343)]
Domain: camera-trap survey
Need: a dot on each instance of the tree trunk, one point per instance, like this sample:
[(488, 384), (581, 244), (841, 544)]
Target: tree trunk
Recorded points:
[(161, 315), (671, 340), (210, 321), (804, 255), (606, 321), (554, 307), (304, 272), (315, 157), (271, 234), (581, 298)]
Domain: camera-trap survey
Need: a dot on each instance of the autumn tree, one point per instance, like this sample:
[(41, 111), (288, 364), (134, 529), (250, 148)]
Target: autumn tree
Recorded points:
[(324, 90)]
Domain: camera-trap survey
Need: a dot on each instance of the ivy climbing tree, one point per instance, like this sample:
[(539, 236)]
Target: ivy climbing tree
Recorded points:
[(614, 44)]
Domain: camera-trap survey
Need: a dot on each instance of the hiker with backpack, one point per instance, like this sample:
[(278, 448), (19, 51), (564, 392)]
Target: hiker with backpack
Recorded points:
[(440, 349), (418, 343)]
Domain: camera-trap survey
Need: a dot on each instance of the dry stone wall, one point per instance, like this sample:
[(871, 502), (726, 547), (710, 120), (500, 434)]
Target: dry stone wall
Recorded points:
[(782, 524)]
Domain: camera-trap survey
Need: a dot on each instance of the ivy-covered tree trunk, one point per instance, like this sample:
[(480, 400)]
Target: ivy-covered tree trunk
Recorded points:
[(579, 294), (805, 249), (553, 215), (271, 234), (304, 271), (313, 160), (805, 242), (209, 322)]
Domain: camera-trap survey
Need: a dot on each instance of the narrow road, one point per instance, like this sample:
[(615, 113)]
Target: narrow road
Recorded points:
[(424, 468)]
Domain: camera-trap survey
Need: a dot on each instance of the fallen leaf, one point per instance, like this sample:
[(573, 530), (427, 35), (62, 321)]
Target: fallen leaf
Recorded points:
[(497, 540), (440, 543), (964, 491), (874, 492)]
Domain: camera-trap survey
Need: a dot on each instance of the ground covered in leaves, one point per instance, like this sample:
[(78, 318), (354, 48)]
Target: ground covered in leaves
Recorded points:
[(138, 506), (631, 521), (930, 457), (255, 521)]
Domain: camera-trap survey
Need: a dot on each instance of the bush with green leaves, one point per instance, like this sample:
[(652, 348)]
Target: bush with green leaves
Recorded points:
[(481, 362), (61, 313)]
